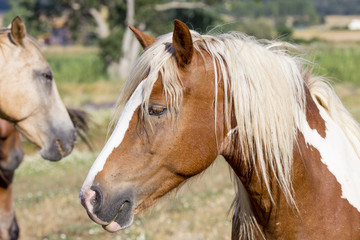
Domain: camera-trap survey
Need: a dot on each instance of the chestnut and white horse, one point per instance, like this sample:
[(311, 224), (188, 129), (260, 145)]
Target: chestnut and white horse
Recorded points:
[(294, 149), (28, 94)]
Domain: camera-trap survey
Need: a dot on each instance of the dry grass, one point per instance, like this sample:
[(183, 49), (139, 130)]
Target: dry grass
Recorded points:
[(332, 21), (325, 32), (47, 206), (328, 35)]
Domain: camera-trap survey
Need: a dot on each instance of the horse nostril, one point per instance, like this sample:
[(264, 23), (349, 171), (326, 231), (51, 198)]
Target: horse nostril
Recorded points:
[(96, 200)]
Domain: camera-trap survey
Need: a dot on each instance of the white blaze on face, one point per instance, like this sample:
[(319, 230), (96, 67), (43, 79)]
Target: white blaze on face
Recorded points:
[(117, 135), (338, 154)]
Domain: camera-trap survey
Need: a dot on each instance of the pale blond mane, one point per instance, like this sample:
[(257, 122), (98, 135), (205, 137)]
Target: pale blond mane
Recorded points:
[(154, 62), (324, 96), (264, 85)]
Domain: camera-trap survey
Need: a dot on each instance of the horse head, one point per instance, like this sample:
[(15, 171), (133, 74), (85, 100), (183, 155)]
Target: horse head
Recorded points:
[(168, 109), (28, 94)]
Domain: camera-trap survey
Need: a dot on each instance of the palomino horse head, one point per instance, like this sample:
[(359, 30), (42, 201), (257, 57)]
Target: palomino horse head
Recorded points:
[(11, 155), (285, 134), (28, 94)]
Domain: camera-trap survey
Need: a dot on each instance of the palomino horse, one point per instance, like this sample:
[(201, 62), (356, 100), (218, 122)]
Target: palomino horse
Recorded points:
[(291, 144), (11, 155), (28, 94)]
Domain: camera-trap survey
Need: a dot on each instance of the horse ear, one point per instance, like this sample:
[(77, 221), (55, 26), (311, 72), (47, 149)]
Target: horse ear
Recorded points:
[(18, 31), (182, 43), (144, 39)]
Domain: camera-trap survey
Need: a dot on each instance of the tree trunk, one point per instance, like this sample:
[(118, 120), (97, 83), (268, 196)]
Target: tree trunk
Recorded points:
[(100, 18), (130, 46)]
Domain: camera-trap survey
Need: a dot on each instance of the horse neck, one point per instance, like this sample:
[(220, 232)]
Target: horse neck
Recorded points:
[(312, 182)]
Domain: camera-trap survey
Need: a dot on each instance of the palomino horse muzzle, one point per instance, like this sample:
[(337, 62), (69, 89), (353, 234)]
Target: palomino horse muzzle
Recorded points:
[(59, 146)]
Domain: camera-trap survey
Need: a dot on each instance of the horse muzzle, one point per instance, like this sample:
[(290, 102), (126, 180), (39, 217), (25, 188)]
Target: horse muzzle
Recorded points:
[(113, 213), (59, 146)]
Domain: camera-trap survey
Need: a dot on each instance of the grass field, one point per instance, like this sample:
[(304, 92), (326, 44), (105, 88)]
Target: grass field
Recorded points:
[(46, 194), (338, 62)]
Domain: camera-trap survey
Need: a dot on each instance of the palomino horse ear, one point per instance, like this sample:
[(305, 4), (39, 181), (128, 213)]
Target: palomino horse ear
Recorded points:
[(144, 39), (18, 31), (182, 43)]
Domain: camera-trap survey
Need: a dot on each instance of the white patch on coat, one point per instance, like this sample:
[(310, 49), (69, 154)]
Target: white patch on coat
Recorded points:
[(117, 135), (338, 154)]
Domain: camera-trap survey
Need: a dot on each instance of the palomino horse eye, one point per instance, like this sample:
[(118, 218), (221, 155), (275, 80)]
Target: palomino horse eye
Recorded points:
[(157, 110), (47, 76)]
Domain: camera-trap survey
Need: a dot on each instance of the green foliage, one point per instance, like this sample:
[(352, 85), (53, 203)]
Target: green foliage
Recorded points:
[(156, 22), (259, 28), (28, 10), (197, 19), (79, 68), (110, 47), (284, 32), (338, 63), (302, 11), (38, 15)]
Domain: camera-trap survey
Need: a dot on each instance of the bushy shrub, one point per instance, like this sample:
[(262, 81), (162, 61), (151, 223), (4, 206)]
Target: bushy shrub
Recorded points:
[(260, 28)]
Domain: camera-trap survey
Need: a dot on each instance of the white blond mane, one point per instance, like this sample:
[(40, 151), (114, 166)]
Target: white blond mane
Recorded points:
[(264, 85), (154, 61)]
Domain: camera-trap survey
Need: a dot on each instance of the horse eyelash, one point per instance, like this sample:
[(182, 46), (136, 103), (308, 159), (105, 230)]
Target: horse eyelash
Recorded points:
[(47, 76), (161, 111)]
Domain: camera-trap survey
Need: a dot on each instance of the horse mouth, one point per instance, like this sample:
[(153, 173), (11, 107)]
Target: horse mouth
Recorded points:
[(115, 224), (61, 149)]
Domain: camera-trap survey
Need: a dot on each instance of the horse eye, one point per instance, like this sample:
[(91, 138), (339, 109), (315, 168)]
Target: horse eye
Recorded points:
[(47, 76), (157, 110)]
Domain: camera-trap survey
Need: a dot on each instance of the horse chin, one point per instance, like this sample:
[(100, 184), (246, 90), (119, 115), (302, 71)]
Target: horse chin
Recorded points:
[(115, 226), (123, 219), (50, 155)]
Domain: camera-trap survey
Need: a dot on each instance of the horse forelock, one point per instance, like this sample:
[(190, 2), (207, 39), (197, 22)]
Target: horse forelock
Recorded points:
[(155, 62)]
